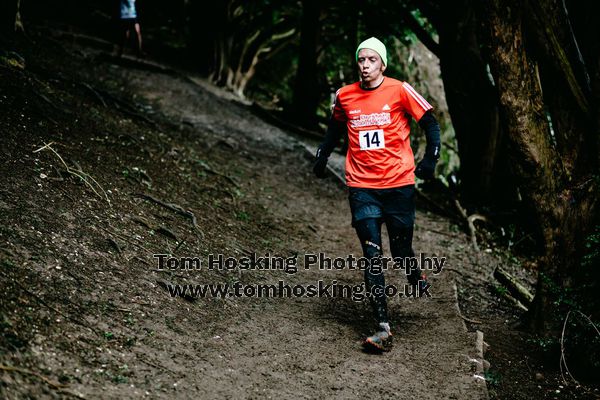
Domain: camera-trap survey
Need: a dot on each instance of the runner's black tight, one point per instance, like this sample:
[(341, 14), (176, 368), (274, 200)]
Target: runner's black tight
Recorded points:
[(400, 236)]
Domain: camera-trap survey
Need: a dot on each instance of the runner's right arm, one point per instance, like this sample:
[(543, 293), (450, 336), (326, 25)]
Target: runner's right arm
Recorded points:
[(335, 130)]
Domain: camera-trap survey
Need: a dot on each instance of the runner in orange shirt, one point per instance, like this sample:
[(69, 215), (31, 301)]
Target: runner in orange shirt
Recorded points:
[(380, 171)]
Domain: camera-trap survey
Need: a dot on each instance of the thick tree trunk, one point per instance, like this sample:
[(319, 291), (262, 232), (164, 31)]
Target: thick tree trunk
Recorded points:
[(8, 12), (472, 103), (568, 97), (264, 48), (563, 209), (306, 87)]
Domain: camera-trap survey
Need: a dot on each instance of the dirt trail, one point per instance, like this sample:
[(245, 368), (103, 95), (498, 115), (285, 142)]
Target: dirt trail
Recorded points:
[(251, 188), (315, 344)]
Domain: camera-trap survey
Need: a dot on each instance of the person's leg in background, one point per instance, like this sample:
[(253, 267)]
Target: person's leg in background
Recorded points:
[(138, 32), (124, 37)]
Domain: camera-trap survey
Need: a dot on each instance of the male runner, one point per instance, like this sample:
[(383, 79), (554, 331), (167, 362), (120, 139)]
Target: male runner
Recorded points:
[(380, 169)]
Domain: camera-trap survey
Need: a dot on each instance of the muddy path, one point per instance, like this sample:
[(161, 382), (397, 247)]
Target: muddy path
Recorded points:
[(85, 311)]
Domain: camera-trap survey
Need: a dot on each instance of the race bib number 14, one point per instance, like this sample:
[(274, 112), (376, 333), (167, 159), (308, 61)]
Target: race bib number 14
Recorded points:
[(371, 140)]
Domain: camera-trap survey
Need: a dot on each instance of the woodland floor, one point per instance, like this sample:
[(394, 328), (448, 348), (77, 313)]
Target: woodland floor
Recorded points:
[(84, 311)]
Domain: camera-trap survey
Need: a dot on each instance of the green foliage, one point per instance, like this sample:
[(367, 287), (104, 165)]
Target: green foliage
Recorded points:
[(109, 335), (580, 303), (274, 80), (500, 290), (546, 344), (242, 216), (592, 245), (492, 377), (120, 379)]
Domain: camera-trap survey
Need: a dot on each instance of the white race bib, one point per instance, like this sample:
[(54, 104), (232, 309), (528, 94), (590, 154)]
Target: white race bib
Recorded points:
[(371, 140)]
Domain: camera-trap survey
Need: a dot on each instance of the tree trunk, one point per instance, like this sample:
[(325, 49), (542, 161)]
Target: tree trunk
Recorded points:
[(207, 21), (564, 210), (8, 12), (583, 16), (568, 97), (240, 35), (251, 55), (18, 21), (472, 104), (306, 87)]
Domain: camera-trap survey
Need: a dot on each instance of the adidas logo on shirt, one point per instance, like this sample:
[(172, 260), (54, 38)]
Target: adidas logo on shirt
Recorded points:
[(386, 108)]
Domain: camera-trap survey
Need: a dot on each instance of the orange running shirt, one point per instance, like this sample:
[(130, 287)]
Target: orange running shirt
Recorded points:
[(378, 121)]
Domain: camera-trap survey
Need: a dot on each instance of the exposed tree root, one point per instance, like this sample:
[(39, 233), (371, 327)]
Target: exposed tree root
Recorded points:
[(126, 239), (470, 220), (171, 206), (85, 177), (518, 291)]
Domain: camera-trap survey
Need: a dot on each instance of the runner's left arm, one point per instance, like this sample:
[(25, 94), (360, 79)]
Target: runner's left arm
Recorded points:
[(426, 167), (420, 110)]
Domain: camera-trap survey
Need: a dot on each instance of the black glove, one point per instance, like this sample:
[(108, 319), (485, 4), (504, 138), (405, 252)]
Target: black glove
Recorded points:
[(425, 168), (320, 164)]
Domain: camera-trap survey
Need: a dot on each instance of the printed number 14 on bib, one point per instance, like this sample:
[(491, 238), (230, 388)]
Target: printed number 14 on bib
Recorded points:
[(371, 140)]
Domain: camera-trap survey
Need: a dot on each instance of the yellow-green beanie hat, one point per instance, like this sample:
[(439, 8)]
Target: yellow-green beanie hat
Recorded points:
[(376, 45)]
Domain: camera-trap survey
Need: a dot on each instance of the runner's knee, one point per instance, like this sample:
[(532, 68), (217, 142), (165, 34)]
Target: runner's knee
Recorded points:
[(369, 234)]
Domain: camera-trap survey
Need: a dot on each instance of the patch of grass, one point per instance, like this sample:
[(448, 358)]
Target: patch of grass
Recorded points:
[(238, 193), (242, 216), (120, 379), (492, 377), (500, 290), (129, 320)]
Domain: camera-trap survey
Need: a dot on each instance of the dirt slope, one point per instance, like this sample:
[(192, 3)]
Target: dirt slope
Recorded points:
[(84, 311)]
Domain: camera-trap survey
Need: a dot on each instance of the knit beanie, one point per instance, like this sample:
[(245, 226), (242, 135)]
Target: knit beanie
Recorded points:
[(375, 45)]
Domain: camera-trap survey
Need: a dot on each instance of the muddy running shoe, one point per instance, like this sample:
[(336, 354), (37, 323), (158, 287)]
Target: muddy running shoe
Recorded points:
[(381, 340)]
